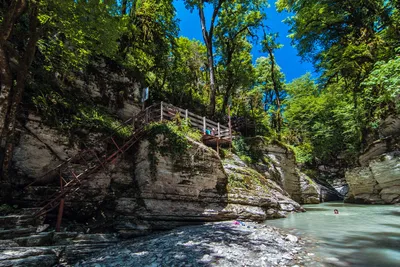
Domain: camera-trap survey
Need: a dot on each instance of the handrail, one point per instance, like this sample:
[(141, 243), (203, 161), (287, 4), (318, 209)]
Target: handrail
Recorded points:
[(155, 112)]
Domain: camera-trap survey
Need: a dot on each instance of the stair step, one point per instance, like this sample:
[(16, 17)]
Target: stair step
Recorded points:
[(17, 232), (35, 240), (10, 221)]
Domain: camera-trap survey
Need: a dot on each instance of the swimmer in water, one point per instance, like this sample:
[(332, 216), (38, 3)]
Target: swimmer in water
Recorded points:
[(335, 211)]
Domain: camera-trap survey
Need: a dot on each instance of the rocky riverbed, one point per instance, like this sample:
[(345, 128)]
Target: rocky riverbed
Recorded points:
[(212, 244)]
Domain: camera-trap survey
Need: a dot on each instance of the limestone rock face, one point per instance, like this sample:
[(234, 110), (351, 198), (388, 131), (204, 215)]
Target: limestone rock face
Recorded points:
[(310, 190), (149, 189), (249, 190), (340, 185), (278, 164), (390, 126), (40, 149), (377, 183), (106, 82), (389, 133), (190, 186), (284, 162), (378, 178)]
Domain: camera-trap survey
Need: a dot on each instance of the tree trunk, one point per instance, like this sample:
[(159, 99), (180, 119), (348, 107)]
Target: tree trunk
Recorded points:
[(212, 82), (124, 7), (6, 85), (15, 9), (276, 89), (8, 132), (208, 38), (226, 97)]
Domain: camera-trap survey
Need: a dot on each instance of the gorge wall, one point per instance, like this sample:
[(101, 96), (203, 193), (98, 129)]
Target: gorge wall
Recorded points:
[(278, 163), (148, 189), (377, 180)]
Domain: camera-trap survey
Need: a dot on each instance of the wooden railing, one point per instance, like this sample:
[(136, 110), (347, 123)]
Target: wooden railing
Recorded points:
[(168, 111), (71, 175)]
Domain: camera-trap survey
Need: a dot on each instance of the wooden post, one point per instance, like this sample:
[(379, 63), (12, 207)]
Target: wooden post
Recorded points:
[(161, 111), (204, 125), (186, 114), (219, 131)]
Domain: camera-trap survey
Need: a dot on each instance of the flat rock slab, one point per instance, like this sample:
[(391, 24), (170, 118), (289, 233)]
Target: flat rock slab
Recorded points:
[(213, 244)]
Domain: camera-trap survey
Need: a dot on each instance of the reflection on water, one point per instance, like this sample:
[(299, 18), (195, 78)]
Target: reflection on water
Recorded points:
[(360, 235)]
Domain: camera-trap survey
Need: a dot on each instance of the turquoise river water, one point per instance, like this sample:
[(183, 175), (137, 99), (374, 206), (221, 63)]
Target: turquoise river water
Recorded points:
[(360, 235)]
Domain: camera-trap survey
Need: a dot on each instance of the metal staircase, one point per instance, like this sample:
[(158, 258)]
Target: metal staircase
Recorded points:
[(74, 171)]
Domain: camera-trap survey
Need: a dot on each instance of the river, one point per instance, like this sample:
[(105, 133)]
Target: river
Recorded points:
[(360, 235)]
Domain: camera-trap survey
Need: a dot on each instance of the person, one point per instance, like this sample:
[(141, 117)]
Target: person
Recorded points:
[(335, 211), (213, 132)]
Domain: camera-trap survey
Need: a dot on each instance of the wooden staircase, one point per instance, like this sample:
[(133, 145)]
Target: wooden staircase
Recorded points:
[(72, 175)]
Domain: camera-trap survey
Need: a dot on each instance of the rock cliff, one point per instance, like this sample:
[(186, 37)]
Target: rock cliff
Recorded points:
[(278, 163), (152, 187), (377, 181)]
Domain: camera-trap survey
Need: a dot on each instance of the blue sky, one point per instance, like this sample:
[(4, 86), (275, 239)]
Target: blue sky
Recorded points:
[(286, 57)]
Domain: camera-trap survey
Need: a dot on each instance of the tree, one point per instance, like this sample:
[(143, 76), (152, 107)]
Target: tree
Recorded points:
[(54, 26), (353, 44), (208, 37), (237, 23), (149, 39), (229, 19), (186, 81), (322, 123), (269, 45), (342, 38)]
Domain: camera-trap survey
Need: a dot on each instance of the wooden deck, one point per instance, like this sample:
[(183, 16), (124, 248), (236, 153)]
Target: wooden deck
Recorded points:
[(215, 141)]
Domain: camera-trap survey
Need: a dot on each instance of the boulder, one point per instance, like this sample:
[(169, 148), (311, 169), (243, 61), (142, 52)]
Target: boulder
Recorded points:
[(310, 190)]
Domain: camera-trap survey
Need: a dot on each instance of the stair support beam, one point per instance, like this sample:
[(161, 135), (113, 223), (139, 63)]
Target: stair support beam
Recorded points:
[(61, 207)]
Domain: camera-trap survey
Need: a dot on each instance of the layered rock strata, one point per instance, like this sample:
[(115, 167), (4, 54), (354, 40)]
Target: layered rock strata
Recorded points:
[(278, 163), (377, 183), (148, 189)]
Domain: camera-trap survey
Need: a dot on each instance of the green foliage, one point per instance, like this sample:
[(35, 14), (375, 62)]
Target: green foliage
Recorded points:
[(322, 125), (70, 113), (175, 133), (303, 152), (248, 179), (186, 81), (382, 91), (148, 39), (175, 142), (271, 81), (354, 46), (73, 31), (237, 21), (249, 149)]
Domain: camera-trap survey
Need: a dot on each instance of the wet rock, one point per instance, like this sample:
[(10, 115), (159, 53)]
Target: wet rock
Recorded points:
[(42, 239), (217, 244), (310, 191), (291, 238), (29, 257)]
